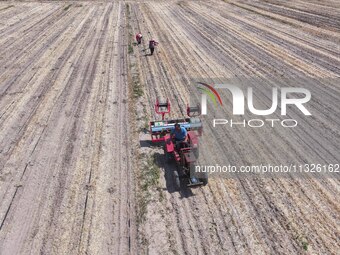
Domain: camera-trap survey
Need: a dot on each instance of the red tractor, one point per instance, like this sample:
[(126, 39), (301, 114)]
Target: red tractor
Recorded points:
[(184, 154)]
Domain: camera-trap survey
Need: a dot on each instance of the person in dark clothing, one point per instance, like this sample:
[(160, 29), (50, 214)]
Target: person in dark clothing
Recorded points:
[(152, 45)]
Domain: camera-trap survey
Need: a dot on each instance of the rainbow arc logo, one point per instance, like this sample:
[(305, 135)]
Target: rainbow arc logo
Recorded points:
[(211, 92)]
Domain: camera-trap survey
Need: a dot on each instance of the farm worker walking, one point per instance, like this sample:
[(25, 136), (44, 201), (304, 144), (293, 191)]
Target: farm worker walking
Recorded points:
[(139, 37), (152, 45)]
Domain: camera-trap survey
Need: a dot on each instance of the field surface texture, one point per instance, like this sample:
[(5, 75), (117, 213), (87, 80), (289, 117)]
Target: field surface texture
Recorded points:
[(78, 174)]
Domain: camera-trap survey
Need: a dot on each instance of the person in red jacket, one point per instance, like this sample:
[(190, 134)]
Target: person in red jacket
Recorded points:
[(139, 37), (152, 45)]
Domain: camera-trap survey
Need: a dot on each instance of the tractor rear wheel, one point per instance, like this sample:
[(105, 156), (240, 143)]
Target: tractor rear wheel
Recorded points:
[(196, 153), (204, 179), (177, 182)]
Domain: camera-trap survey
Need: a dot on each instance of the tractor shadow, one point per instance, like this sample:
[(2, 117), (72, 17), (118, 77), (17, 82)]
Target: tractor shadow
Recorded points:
[(145, 52), (169, 169), (145, 144)]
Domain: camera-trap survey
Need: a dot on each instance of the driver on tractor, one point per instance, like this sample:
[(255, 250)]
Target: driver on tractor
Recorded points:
[(179, 135)]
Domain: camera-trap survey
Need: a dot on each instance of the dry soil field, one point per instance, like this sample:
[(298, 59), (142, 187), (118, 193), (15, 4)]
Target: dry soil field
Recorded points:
[(77, 173)]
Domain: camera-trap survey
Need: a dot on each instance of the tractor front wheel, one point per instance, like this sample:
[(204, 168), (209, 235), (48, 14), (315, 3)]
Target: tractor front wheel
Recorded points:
[(168, 156)]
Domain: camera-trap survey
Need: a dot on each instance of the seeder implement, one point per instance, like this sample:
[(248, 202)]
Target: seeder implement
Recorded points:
[(160, 128), (162, 108)]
